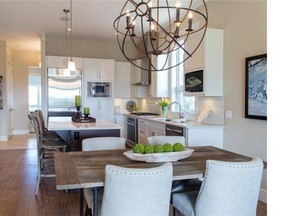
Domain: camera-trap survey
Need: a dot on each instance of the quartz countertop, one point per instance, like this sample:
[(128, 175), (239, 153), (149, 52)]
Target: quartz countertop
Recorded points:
[(174, 122), (66, 123)]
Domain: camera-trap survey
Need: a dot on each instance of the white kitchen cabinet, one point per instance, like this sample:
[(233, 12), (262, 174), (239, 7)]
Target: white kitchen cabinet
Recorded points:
[(122, 76), (136, 77), (156, 129), (62, 62), (98, 69), (209, 57), (100, 108), (204, 136), (142, 131)]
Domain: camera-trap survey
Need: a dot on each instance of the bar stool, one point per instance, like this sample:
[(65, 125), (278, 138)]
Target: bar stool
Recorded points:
[(45, 152)]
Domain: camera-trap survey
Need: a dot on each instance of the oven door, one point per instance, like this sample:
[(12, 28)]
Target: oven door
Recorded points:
[(132, 131)]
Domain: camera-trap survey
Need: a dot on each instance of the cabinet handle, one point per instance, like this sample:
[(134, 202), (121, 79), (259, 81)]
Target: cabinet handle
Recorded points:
[(173, 130)]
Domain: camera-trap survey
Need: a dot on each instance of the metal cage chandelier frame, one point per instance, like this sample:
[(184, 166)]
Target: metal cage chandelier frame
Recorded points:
[(159, 27)]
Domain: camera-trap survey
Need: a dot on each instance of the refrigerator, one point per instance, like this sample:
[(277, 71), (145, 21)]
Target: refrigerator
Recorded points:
[(63, 85)]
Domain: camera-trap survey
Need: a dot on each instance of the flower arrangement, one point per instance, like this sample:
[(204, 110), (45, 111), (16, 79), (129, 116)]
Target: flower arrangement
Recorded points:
[(164, 102)]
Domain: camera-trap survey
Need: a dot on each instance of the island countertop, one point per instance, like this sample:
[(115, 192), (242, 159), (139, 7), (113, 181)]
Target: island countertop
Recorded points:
[(66, 123), (188, 124)]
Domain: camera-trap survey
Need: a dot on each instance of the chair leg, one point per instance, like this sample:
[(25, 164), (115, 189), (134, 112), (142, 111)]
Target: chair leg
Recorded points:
[(38, 175), (88, 211)]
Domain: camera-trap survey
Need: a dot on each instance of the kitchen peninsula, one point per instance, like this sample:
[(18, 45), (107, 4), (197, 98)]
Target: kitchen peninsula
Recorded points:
[(195, 133), (73, 133)]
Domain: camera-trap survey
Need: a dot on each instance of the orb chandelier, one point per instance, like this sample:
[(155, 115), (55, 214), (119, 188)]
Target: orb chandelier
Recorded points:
[(160, 27)]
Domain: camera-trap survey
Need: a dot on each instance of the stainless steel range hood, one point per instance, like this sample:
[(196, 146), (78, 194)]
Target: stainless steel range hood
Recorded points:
[(144, 77)]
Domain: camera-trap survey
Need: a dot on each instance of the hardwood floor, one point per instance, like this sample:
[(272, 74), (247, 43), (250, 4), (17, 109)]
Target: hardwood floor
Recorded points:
[(18, 170)]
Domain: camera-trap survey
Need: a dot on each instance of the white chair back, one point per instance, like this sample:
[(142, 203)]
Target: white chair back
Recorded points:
[(103, 143), (230, 188), (166, 139), (137, 192)]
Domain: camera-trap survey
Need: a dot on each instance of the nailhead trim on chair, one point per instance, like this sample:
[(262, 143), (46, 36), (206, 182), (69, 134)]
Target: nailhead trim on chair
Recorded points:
[(136, 173), (222, 165)]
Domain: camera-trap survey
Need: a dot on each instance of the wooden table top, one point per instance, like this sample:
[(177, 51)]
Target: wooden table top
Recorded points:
[(87, 169)]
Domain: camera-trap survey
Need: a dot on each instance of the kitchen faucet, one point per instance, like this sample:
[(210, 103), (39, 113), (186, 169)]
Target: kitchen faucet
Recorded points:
[(175, 102)]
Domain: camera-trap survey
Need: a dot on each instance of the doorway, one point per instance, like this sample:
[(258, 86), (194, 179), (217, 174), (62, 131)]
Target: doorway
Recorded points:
[(34, 90)]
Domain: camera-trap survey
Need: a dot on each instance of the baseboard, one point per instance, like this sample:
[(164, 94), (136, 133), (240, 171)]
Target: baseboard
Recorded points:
[(263, 195), (20, 132)]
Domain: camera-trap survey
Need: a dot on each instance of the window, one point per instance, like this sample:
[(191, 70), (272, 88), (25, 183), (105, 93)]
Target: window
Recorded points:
[(34, 89), (177, 88)]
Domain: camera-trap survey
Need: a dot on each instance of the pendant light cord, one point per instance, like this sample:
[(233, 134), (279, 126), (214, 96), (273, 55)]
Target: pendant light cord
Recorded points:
[(71, 30)]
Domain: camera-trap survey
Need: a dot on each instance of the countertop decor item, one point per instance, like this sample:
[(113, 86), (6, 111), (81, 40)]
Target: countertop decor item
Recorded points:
[(130, 106), (159, 157), (164, 27), (164, 104)]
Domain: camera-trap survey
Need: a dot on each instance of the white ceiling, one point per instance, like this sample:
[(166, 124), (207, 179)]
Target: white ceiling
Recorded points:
[(22, 21)]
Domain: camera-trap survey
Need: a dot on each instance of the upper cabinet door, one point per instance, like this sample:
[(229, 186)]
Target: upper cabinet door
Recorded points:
[(209, 57), (98, 69), (197, 59), (122, 84)]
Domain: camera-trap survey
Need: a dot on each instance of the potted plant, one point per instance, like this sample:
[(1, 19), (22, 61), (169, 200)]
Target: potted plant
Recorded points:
[(164, 104)]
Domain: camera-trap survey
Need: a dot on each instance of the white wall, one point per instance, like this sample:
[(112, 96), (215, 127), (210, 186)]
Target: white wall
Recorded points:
[(245, 29), (21, 61)]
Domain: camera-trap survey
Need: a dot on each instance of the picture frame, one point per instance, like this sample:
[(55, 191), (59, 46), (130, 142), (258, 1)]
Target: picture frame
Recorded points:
[(256, 87)]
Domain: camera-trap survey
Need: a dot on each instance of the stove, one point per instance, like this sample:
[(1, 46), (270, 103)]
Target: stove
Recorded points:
[(144, 114)]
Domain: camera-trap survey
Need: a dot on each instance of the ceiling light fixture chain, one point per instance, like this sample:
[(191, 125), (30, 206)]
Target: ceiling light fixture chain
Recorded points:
[(160, 27), (71, 65)]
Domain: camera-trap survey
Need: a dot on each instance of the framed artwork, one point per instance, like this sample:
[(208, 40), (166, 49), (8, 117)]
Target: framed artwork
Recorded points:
[(1, 92), (256, 87)]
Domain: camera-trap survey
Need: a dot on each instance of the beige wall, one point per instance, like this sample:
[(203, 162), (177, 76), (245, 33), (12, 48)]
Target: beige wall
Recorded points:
[(3, 112), (21, 61), (245, 29), (86, 49)]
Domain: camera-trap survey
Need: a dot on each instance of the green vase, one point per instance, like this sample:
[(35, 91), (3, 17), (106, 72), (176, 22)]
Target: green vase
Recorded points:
[(164, 111)]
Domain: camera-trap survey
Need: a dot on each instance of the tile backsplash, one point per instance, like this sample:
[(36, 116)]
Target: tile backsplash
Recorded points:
[(216, 105)]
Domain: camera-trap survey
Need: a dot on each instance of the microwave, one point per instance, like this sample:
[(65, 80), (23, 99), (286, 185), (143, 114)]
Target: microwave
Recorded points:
[(98, 89), (194, 82)]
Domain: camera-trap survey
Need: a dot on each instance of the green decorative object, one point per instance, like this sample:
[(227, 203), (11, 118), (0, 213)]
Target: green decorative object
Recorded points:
[(178, 147), (158, 148), (139, 148)]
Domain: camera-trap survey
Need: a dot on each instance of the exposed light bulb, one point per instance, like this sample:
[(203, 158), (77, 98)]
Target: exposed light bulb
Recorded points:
[(71, 65)]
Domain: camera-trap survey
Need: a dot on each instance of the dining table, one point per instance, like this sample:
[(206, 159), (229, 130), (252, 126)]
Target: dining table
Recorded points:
[(86, 169)]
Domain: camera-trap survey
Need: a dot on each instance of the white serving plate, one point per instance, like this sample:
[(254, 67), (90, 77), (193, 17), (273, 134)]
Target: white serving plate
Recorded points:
[(159, 157)]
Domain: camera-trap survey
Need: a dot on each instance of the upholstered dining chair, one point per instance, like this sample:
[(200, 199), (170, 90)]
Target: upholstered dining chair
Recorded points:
[(188, 185), (229, 188), (99, 143), (45, 152), (137, 191), (166, 139)]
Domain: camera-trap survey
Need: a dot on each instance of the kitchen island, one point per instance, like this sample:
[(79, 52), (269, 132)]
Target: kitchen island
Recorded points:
[(73, 133)]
